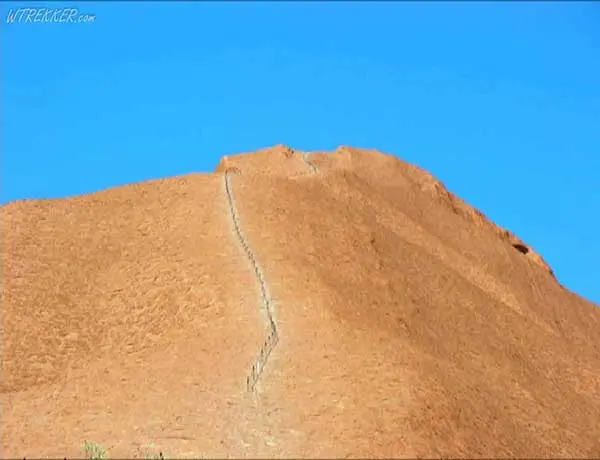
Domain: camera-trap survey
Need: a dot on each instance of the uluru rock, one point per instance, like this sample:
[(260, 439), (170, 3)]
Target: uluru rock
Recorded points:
[(409, 324)]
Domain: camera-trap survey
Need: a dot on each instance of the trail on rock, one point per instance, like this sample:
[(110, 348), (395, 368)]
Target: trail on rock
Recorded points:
[(311, 165), (273, 336), (267, 303)]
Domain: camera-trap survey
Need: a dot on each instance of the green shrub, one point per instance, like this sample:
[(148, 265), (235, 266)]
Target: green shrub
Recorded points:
[(94, 451)]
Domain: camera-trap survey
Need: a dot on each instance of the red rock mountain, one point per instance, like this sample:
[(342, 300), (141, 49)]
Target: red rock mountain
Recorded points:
[(340, 304)]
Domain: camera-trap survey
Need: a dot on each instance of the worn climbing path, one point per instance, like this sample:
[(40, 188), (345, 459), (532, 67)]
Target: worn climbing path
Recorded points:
[(310, 164), (266, 301)]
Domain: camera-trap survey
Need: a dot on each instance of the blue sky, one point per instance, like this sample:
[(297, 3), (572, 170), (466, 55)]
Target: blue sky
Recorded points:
[(501, 101)]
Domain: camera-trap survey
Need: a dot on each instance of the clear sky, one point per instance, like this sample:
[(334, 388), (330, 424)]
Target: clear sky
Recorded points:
[(501, 101)]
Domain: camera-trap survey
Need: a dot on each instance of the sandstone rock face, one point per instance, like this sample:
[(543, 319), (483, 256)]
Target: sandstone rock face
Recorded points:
[(406, 322)]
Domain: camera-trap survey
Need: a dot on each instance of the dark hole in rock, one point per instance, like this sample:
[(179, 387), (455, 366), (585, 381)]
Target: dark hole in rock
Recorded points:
[(521, 248)]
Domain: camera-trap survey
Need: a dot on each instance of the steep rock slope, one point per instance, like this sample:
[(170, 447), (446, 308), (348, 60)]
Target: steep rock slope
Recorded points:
[(129, 317), (409, 324)]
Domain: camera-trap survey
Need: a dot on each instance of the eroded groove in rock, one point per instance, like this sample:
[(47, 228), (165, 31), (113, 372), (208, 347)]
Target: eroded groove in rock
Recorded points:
[(273, 336)]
